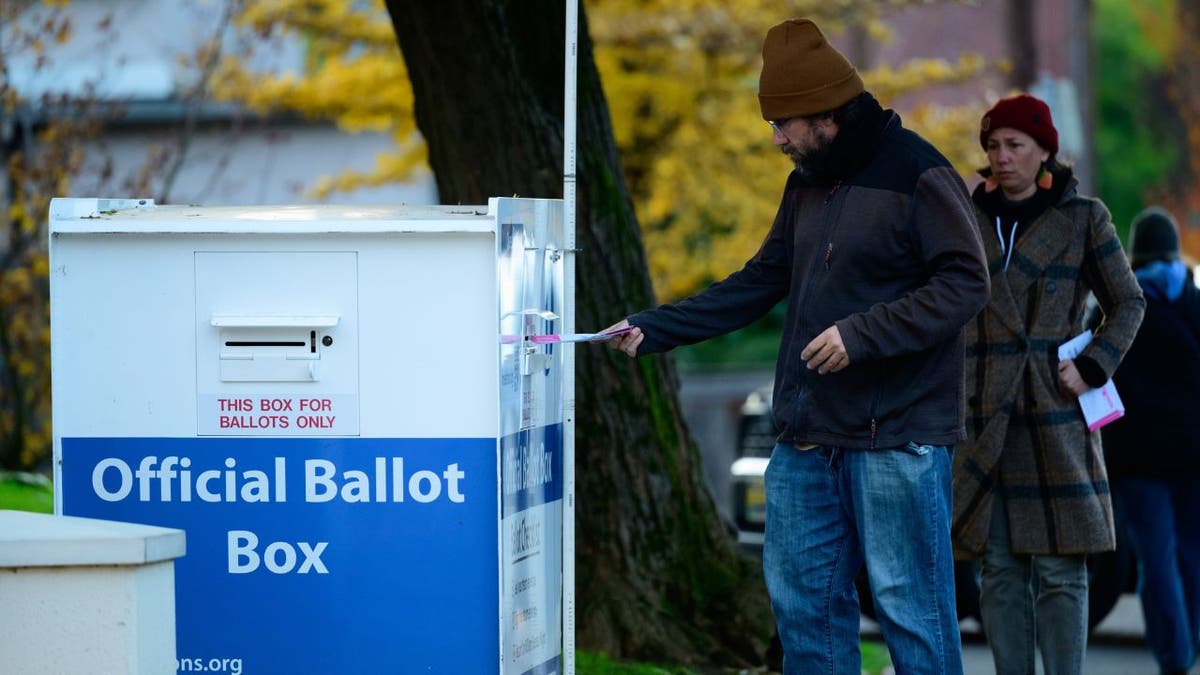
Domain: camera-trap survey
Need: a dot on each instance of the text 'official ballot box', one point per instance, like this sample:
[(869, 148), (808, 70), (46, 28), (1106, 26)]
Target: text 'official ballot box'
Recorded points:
[(341, 408)]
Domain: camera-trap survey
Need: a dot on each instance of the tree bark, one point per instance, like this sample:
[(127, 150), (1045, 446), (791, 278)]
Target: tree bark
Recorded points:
[(659, 575), (1186, 75), (1022, 37)]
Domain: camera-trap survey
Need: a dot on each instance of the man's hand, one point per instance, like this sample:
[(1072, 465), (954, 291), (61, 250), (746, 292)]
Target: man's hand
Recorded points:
[(626, 342), (826, 352), (1070, 379)]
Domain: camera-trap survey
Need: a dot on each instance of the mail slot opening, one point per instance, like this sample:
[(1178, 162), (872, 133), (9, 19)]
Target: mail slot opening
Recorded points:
[(271, 349)]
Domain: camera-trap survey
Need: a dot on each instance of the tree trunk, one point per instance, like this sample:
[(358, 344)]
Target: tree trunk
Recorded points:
[(659, 576), (1186, 75), (1022, 38)]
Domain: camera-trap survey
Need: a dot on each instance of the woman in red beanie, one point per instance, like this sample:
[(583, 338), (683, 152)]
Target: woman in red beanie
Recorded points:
[(1030, 492)]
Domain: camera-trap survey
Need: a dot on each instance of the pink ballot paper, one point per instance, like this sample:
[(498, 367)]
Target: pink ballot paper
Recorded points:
[(578, 337), (1101, 405)]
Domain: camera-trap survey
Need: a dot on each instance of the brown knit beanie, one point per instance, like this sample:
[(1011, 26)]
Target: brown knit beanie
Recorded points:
[(802, 73)]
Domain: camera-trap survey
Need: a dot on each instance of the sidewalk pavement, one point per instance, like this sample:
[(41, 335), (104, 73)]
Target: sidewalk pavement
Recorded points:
[(1116, 647)]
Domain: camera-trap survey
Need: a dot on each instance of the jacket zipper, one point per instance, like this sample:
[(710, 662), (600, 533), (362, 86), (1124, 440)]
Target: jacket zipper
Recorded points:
[(829, 225), (832, 227), (875, 405), (829, 196)]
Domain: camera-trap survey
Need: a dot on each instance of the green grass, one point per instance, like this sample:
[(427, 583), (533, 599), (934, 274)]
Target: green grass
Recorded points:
[(874, 657), (592, 663), (26, 492), (874, 660)]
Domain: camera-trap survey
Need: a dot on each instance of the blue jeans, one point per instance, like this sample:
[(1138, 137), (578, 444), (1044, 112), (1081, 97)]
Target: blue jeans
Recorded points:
[(1164, 528), (829, 511), (1015, 621)]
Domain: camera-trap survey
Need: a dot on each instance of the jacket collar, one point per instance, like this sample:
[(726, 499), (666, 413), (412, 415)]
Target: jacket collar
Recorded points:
[(1040, 244), (855, 145)]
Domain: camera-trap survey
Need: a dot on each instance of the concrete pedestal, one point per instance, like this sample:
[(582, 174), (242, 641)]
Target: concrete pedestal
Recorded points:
[(86, 596)]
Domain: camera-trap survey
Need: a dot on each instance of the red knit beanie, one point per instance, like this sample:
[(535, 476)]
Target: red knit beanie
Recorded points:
[(802, 73), (1023, 113)]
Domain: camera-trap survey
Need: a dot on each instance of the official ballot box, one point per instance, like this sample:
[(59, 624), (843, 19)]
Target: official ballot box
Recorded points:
[(341, 408)]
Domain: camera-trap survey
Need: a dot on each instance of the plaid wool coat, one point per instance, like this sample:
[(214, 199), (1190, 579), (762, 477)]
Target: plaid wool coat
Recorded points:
[(1025, 434)]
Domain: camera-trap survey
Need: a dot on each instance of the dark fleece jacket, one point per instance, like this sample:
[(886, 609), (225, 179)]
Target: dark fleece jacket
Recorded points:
[(883, 245)]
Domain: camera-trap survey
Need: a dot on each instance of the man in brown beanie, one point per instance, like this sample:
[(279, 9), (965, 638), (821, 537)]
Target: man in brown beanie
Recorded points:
[(876, 252)]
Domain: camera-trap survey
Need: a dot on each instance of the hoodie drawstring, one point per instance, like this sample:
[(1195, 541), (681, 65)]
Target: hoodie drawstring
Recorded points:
[(1012, 236)]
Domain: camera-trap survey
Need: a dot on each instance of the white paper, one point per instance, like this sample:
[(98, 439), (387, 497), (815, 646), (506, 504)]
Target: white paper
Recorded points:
[(566, 337), (579, 337), (1100, 405)]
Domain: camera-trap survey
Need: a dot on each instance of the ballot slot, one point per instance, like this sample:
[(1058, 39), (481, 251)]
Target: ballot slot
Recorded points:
[(273, 349)]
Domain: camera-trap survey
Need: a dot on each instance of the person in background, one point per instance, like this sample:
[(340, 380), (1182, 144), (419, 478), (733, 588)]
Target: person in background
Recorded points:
[(876, 253), (1153, 453), (1030, 491)]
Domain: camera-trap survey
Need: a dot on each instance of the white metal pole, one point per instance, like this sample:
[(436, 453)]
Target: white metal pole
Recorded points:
[(568, 534)]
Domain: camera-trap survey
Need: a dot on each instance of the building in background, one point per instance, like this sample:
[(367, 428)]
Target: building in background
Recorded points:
[(134, 66), (1046, 46)]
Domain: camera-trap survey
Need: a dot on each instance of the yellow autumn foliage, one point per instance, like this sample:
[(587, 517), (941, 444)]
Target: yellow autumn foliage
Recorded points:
[(25, 318), (25, 433), (354, 76), (680, 77), (681, 81), (888, 83)]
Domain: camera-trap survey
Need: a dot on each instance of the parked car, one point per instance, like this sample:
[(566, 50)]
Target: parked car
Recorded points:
[(1110, 574)]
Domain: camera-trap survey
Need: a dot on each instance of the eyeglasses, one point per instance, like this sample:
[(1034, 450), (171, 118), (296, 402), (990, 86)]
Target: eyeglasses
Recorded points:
[(777, 125)]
